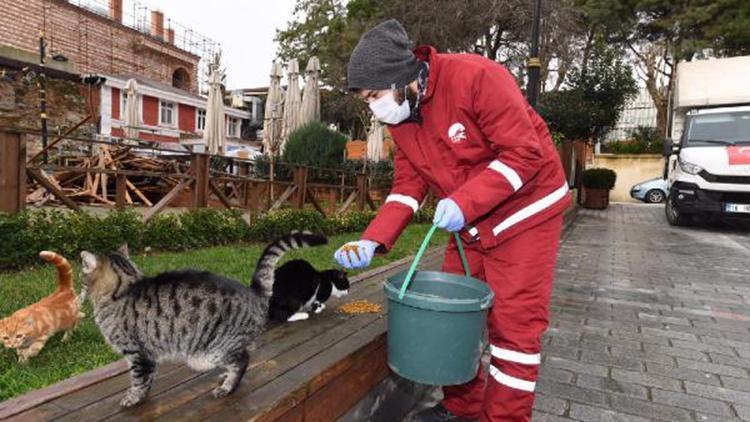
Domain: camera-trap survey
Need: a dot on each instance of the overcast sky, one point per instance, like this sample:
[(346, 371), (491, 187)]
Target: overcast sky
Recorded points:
[(245, 29)]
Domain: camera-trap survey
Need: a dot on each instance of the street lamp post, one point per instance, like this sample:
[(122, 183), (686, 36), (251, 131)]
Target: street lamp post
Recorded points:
[(534, 64), (43, 95)]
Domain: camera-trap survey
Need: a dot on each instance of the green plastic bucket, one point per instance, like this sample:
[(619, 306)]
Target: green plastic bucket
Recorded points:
[(436, 322)]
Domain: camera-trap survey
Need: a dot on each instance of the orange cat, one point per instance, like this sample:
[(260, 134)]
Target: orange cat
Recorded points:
[(28, 329)]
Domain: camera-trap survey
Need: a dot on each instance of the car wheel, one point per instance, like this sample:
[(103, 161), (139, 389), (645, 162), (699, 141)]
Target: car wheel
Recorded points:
[(654, 196), (674, 216)]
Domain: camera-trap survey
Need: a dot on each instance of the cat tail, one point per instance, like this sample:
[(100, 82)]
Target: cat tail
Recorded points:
[(263, 277), (64, 270)]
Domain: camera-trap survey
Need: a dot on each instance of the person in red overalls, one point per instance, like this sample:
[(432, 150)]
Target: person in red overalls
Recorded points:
[(464, 130)]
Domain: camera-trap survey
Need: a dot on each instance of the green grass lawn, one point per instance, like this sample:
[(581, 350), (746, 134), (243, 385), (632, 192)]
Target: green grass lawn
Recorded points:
[(86, 349)]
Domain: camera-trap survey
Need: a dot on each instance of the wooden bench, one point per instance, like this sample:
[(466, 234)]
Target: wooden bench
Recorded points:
[(314, 370)]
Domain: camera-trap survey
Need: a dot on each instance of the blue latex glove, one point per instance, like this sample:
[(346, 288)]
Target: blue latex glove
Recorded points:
[(355, 255), (448, 215)]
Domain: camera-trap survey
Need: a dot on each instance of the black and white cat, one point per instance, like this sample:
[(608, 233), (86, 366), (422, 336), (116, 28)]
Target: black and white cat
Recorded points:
[(299, 289)]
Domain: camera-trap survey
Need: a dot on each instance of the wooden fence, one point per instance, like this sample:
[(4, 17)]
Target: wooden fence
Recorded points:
[(192, 180)]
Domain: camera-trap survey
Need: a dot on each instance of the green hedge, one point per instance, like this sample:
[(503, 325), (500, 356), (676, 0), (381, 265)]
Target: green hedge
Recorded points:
[(642, 140), (25, 234)]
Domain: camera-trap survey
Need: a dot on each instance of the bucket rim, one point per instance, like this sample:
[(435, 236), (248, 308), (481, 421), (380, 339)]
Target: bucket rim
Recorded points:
[(436, 303)]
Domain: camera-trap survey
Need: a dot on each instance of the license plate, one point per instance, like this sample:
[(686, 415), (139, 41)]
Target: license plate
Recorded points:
[(743, 208)]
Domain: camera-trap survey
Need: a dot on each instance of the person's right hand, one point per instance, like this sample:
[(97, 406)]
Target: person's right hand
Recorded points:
[(355, 255)]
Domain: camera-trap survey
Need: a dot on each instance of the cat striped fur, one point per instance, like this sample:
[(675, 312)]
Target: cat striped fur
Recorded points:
[(203, 319)]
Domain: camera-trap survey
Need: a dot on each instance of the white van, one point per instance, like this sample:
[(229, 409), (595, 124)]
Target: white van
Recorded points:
[(708, 164)]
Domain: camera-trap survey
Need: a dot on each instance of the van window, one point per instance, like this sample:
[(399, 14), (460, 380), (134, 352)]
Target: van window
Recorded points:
[(710, 129)]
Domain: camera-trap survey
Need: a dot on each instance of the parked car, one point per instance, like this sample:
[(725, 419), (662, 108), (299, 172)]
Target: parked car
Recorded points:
[(652, 191)]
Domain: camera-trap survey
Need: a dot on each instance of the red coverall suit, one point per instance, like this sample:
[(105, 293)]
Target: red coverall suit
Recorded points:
[(482, 145)]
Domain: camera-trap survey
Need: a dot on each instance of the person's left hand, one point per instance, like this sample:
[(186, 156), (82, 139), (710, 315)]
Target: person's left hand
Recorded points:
[(448, 215)]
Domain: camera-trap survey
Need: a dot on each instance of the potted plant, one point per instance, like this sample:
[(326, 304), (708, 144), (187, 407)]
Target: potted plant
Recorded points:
[(597, 182)]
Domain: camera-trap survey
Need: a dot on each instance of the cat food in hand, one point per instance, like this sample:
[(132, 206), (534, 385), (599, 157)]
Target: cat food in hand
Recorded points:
[(360, 307)]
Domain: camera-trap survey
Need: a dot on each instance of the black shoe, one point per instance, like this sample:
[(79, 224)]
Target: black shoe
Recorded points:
[(435, 414)]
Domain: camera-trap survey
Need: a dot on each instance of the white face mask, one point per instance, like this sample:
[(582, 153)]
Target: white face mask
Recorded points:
[(388, 111)]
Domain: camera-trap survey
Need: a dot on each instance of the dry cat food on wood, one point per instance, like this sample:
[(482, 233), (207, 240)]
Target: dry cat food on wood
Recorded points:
[(360, 307)]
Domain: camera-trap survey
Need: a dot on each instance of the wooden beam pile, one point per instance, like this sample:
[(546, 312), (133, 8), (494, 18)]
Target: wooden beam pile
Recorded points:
[(99, 189)]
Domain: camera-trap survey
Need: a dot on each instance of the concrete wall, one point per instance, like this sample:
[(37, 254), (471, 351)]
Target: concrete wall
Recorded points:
[(630, 169), (92, 43)]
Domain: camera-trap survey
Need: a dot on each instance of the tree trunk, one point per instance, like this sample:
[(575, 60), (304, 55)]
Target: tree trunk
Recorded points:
[(562, 73), (587, 52), (662, 118), (659, 93)]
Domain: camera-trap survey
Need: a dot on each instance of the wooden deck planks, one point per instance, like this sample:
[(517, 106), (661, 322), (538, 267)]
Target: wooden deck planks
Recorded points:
[(292, 362)]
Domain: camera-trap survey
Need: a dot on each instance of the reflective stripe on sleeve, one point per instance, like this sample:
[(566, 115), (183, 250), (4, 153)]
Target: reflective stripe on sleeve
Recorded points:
[(509, 173), (404, 199)]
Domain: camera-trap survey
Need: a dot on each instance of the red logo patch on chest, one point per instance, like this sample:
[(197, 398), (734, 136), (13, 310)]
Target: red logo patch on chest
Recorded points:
[(738, 155), (457, 133)]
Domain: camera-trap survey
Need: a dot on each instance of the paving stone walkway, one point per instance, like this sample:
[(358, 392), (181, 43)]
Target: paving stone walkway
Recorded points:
[(649, 322)]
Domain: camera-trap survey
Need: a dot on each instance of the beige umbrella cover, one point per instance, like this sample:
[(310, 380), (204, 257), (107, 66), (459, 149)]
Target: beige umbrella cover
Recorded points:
[(292, 102), (214, 134), (311, 96), (132, 121), (273, 112), (375, 140)]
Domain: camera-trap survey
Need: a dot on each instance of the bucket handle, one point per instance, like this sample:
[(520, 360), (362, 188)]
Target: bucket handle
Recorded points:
[(421, 252)]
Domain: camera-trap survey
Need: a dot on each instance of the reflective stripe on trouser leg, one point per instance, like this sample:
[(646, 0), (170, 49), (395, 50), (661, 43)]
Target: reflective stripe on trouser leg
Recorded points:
[(512, 382), (510, 392), (514, 356), (465, 400), (520, 272)]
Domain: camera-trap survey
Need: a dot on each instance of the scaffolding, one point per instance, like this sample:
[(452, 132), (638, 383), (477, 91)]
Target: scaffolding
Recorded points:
[(137, 16)]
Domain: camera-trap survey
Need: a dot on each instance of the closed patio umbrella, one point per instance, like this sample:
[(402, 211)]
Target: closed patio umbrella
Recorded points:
[(272, 124), (292, 102), (214, 135), (132, 120), (311, 95), (375, 140)]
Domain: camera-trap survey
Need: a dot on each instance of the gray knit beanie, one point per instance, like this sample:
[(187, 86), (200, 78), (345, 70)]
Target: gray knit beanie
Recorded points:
[(383, 58)]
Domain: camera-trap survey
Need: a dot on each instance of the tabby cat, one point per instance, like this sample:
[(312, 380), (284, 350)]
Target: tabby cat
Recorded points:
[(28, 329), (203, 319)]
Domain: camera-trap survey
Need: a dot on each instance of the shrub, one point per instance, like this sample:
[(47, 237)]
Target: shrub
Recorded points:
[(315, 145), (16, 241), (210, 226), (68, 233), (121, 227), (275, 224), (165, 232), (424, 215), (598, 178), (27, 233), (350, 222), (643, 140)]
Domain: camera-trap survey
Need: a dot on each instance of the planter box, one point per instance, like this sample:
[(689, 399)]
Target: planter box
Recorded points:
[(596, 199)]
